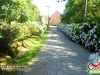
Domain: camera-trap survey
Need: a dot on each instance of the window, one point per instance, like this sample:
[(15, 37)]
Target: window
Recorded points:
[(53, 20), (57, 20), (56, 14)]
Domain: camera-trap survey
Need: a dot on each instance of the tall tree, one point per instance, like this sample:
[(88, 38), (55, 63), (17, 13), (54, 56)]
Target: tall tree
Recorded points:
[(74, 11), (18, 10)]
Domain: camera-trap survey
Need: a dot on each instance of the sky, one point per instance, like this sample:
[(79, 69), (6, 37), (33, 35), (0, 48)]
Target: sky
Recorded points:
[(54, 6)]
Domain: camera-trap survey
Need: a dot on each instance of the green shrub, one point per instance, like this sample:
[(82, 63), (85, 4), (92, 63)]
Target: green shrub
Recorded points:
[(35, 30), (45, 27), (98, 31), (12, 36), (8, 34), (23, 31), (75, 28), (16, 32)]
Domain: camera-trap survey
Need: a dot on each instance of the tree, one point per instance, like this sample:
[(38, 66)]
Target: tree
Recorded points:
[(18, 10), (93, 13), (74, 11)]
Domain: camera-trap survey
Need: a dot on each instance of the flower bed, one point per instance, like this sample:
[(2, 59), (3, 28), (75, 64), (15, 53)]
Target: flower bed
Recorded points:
[(86, 34)]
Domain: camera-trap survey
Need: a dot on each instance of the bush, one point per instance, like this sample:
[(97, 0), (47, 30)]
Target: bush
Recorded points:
[(87, 34), (11, 34), (8, 34), (35, 30), (23, 31), (98, 31)]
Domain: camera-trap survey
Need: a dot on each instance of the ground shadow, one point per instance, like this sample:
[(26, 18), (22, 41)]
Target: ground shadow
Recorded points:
[(58, 56)]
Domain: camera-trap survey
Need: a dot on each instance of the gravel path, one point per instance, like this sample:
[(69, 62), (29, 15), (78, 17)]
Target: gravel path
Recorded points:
[(58, 56)]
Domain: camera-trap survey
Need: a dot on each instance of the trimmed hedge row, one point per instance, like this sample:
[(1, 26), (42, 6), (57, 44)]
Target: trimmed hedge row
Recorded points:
[(87, 34)]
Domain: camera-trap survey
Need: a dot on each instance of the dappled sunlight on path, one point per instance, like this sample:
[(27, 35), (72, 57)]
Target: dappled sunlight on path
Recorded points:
[(58, 56)]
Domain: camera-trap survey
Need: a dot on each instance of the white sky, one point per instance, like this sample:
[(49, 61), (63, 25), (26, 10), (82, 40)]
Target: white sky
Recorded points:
[(60, 6)]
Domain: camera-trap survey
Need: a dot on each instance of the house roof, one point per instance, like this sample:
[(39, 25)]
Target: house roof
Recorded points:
[(55, 13)]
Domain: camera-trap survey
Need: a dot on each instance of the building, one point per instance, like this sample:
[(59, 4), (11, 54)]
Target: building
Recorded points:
[(55, 18)]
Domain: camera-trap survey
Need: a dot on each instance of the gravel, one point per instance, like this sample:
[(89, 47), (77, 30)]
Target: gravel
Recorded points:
[(58, 56)]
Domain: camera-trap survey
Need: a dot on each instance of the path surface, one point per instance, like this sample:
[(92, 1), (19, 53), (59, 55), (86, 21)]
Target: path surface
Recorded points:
[(58, 56)]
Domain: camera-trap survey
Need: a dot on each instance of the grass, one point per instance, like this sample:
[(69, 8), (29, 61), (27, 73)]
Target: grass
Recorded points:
[(34, 45)]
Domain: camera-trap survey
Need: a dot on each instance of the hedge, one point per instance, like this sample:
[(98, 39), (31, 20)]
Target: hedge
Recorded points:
[(87, 34)]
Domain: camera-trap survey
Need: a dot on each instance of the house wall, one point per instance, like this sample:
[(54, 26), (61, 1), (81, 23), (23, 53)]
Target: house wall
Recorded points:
[(55, 18)]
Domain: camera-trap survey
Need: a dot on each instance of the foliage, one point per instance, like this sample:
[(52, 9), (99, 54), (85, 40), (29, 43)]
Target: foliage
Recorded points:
[(74, 11), (35, 30), (8, 34), (12, 35), (98, 31), (34, 46), (87, 34), (18, 10)]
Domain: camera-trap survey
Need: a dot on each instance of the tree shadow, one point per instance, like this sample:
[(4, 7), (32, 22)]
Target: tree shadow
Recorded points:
[(58, 56)]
